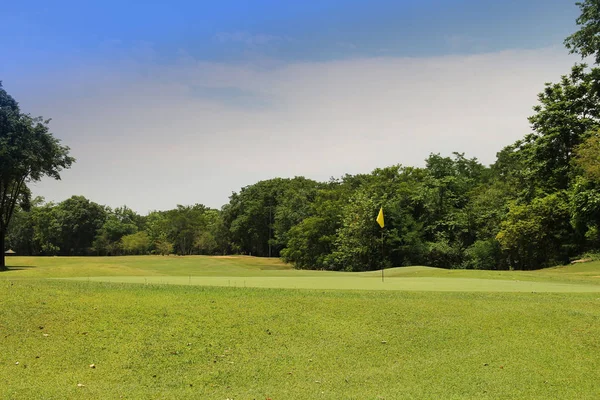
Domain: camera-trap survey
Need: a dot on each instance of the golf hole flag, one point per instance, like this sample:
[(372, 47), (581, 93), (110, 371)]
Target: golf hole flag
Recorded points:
[(380, 218)]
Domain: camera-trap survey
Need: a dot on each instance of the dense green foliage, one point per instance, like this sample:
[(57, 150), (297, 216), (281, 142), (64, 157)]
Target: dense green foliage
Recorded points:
[(586, 41), (454, 213), (78, 226)]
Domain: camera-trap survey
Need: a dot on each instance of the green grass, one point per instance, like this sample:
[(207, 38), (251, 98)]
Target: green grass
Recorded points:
[(240, 271), (353, 282), (24, 267), (182, 340)]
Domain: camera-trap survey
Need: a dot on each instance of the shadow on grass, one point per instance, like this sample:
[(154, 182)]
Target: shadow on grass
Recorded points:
[(17, 267)]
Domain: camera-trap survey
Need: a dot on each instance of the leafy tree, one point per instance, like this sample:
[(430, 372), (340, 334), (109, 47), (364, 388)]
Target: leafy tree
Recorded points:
[(587, 157), (537, 234), (311, 241), (119, 223), (163, 246), (358, 243), (487, 208), (185, 224), (585, 193), (156, 227), (250, 217), (586, 41), (47, 229), (136, 243), (511, 170), (484, 254), (191, 229), (445, 253), (293, 206), (358, 246), (567, 113), (402, 193), (308, 244), (19, 236), (448, 220), (80, 219), (585, 212), (28, 152), (210, 239)]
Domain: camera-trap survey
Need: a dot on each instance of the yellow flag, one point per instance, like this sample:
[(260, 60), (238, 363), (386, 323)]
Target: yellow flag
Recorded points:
[(380, 218)]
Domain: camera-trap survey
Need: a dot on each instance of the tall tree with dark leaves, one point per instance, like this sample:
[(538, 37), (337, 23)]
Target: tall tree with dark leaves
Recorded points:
[(28, 152), (586, 41), (567, 113), (80, 220), (585, 193)]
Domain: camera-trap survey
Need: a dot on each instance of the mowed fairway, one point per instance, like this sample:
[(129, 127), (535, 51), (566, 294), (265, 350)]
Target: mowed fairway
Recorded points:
[(152, 330)]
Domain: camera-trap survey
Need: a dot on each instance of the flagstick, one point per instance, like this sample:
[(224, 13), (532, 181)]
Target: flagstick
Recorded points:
[(382, 256)]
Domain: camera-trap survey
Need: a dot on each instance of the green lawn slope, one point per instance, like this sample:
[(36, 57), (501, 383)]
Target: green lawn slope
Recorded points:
[(90, 338)]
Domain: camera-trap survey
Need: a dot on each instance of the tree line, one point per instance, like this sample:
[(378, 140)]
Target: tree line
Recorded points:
[(453, 213), (537, 205), (78, 226)]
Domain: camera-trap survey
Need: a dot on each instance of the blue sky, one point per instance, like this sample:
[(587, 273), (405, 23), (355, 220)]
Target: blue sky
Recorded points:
[(62, 32), (160, 101)]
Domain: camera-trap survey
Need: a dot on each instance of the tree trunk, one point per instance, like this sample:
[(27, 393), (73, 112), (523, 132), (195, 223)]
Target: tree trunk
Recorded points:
[(2, 250)]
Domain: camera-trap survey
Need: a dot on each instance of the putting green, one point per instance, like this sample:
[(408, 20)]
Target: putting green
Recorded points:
[(356, 283)]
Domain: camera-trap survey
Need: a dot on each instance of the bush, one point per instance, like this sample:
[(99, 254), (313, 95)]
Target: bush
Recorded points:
[(442, 254), (483, 254)]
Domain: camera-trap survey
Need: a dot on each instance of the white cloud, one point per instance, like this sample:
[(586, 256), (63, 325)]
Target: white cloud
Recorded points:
[(145, 136)]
